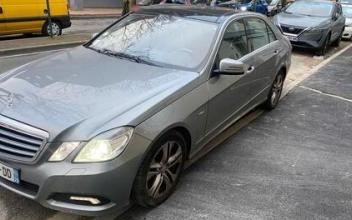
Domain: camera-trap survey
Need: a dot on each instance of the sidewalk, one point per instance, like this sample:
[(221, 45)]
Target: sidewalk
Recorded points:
[(88, 13), (35, 44)]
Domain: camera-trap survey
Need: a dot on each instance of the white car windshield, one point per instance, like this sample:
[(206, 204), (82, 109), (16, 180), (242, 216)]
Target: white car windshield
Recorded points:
[(319, 9), (164, 40)]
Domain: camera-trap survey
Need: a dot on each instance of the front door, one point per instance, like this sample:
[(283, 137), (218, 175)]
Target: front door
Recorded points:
[(229, 93)]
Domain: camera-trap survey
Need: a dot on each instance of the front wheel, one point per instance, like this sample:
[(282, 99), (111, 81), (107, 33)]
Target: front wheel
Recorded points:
[(160, 171), (275, 92), (55, 27), (325, 47), (337, 42)]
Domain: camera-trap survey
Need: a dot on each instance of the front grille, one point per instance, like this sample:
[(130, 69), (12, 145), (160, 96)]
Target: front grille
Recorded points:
[(19, 141), (291, 29)]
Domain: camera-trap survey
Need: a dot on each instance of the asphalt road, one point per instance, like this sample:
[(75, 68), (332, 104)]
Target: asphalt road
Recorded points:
[(291, 163)]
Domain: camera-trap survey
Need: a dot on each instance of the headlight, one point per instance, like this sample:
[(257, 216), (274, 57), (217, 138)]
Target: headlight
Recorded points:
[(243, 8), (106, 146), (313, 33), (63, 151)]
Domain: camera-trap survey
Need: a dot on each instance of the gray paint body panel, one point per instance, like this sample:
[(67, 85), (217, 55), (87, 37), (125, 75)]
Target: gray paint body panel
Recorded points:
[(78, 94)]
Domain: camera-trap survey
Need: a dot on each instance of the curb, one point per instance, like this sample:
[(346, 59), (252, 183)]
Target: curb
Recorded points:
[(40, 48)]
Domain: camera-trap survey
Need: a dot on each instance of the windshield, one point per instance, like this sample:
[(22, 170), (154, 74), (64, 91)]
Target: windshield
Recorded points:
[(164, 40), (319, 9), (347, 11)]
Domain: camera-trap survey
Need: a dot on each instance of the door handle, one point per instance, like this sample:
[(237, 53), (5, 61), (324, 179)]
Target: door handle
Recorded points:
[(276, 51), (1, 11), (250, 69)]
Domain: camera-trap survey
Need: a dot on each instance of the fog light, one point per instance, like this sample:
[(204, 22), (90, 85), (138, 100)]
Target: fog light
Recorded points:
[(93, 201)]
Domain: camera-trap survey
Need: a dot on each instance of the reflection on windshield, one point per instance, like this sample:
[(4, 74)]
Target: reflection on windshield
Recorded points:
[(163, 40), (319, 9)]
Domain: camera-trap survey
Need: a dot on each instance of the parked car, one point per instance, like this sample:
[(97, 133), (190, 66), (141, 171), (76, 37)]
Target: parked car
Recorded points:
[(261, 6), (314, 24), (274, 7), (346, 2), (91, 129), (31, 16), (347, 11)]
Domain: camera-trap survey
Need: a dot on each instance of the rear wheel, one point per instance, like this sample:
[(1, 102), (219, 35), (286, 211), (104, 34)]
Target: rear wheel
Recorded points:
[(56, 28), (160, 171), (275, 92)]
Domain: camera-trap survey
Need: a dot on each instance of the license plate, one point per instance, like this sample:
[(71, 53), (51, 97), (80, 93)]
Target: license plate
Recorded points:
[(9, 173), (292, 38)]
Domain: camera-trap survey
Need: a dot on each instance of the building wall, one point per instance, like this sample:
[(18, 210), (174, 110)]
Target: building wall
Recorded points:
[(102, 3), (80, 4)]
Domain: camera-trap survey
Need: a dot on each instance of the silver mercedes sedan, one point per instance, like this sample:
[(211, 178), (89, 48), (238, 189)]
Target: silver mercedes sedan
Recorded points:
[(111, 123)]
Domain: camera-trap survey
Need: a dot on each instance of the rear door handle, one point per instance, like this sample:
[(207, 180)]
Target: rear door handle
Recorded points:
[(250, 69), (276, 51)]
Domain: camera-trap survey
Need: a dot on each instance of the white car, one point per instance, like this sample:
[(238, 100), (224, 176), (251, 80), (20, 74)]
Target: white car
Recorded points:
[(347, 11)]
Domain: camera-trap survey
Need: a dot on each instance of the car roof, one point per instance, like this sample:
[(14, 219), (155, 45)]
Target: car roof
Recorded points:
[(205, 13)]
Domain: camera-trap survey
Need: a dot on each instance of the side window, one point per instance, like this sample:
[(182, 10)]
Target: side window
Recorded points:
[(271, 34), (234, 43), (257, 33)]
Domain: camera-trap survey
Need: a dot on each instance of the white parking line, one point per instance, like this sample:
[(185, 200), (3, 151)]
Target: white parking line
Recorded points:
[(326, 94), (290, 86)]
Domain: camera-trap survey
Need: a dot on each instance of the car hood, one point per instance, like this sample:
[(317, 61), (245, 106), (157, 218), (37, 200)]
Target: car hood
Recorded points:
[(300, 20), (78, 93)]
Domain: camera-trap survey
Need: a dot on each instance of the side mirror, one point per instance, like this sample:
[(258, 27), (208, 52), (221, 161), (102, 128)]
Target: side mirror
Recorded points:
[(230, 67)]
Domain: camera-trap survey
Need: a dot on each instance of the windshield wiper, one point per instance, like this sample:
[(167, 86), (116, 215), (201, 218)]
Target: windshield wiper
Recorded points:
[(137, 59)]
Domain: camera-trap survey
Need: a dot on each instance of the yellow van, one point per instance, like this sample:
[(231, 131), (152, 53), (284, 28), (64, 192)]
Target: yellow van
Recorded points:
[(31, 16)]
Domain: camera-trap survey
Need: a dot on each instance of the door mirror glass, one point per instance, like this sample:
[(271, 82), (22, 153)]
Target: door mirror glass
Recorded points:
[(231, 67)]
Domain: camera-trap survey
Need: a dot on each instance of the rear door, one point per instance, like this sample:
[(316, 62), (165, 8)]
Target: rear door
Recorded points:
[(264, 48), (24, 16), (2, 19)]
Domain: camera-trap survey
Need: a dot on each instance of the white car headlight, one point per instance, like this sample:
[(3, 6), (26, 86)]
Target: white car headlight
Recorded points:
[(106, 146), (63, 151)]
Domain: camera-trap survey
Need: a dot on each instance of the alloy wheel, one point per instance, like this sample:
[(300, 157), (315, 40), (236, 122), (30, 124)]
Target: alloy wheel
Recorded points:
[(277, 89), (55, 28), (164, 169)]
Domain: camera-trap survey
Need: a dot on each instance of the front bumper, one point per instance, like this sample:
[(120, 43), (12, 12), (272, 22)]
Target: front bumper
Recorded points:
[(52, 183), (347, 34), (307, 40)]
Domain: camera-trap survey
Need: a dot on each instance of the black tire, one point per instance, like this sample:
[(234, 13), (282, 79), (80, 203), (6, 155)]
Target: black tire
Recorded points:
[(152, 184), (57, 29), (325, 47), (337, 42), (275, 91)]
